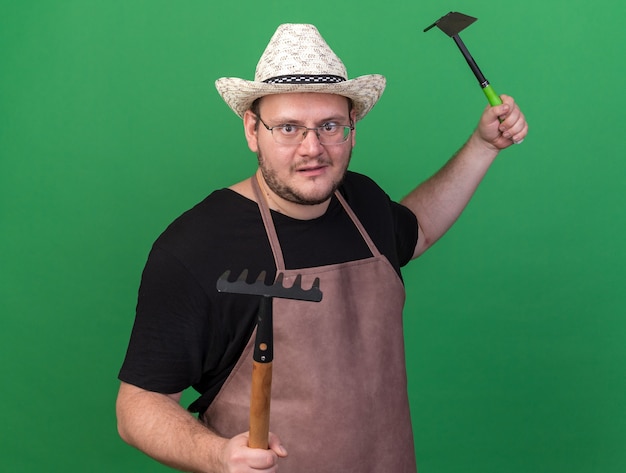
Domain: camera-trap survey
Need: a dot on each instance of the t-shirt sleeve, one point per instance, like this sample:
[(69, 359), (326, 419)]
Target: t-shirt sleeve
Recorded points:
[(166, 344), (405, 229)]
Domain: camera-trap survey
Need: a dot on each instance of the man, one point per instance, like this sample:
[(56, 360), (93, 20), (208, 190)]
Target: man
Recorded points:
[(339, 399)]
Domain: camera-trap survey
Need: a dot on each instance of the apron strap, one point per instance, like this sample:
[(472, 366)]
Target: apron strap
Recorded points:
[(269, 225), (358, 224), (271, 230)]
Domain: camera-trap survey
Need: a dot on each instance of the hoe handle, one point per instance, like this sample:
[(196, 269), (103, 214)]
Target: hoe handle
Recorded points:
[(491, 95), (260, 405)]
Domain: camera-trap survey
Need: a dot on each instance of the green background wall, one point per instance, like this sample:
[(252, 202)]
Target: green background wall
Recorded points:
[(516, 321)]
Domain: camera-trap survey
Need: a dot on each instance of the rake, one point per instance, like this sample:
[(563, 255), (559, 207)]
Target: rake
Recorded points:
[(263, 354)]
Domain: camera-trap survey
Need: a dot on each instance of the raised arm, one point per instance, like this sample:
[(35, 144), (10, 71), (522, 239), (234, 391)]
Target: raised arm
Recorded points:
[(439, 201), (160, 427)]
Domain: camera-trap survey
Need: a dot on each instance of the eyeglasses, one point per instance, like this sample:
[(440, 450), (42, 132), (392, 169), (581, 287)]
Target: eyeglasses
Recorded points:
[(328, 134)]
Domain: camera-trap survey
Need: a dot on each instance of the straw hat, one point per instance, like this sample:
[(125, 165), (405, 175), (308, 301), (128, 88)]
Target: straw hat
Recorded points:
[(297, 59)]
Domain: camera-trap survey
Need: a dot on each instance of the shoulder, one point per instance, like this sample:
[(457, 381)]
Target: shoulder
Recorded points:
[(355, 184), (223, 231), (221, 203), (221, 212), (365, 196)]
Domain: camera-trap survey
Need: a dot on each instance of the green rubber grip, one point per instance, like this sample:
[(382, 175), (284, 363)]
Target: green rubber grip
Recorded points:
[(491, 95)]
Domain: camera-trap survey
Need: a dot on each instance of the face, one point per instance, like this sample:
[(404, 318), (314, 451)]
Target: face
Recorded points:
[(308, 173)]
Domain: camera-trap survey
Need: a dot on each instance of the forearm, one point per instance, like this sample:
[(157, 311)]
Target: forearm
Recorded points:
[(439, 201), (160, 427)]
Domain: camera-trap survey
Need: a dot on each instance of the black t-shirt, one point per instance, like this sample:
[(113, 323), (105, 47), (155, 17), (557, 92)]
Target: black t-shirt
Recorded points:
[(186, 333)]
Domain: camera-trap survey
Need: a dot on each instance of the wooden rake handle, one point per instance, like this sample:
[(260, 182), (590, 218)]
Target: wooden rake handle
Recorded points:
[(260, 405)]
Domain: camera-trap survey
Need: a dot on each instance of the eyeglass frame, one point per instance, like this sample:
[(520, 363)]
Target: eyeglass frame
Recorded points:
[(306, 132)]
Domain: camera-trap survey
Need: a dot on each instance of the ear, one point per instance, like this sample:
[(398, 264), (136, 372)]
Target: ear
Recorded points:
[(250, 130)]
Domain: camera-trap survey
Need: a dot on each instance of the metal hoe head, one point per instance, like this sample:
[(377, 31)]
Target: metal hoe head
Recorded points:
[(277, 289), (452, 23)]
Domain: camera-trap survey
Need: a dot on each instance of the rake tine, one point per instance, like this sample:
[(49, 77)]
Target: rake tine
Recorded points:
[(316, 284), (277, 289), (297, 282)]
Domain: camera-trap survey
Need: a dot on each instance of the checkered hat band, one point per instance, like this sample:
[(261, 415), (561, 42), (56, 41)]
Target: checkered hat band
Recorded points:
[(305, 79)]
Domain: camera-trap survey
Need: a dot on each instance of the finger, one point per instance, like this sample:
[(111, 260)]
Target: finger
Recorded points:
[(499, 112), (276, 445), (503, 110), (519, 137), (512, 116), (263, 460), (514, 125)]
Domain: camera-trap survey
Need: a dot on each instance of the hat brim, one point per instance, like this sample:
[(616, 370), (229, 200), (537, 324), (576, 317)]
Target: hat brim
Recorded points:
[(364, 91)]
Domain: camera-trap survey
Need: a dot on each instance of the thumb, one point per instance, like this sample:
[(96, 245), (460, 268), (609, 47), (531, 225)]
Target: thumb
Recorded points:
[(500, 111), (276, 445)]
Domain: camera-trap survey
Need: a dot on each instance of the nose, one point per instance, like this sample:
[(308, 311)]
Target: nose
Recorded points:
[(311, 142)]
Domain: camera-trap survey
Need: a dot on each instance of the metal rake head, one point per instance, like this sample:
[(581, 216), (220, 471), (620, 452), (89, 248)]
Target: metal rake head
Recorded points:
[(277, 289)]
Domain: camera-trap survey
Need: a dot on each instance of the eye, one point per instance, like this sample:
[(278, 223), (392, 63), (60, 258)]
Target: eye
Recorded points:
[(289, 129), (329, 128)]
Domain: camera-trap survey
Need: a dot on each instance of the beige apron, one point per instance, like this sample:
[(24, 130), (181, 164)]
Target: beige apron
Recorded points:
[(339, 392)]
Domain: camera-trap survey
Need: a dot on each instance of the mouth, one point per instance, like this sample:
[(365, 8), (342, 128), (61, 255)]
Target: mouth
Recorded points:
[(312, 168)]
